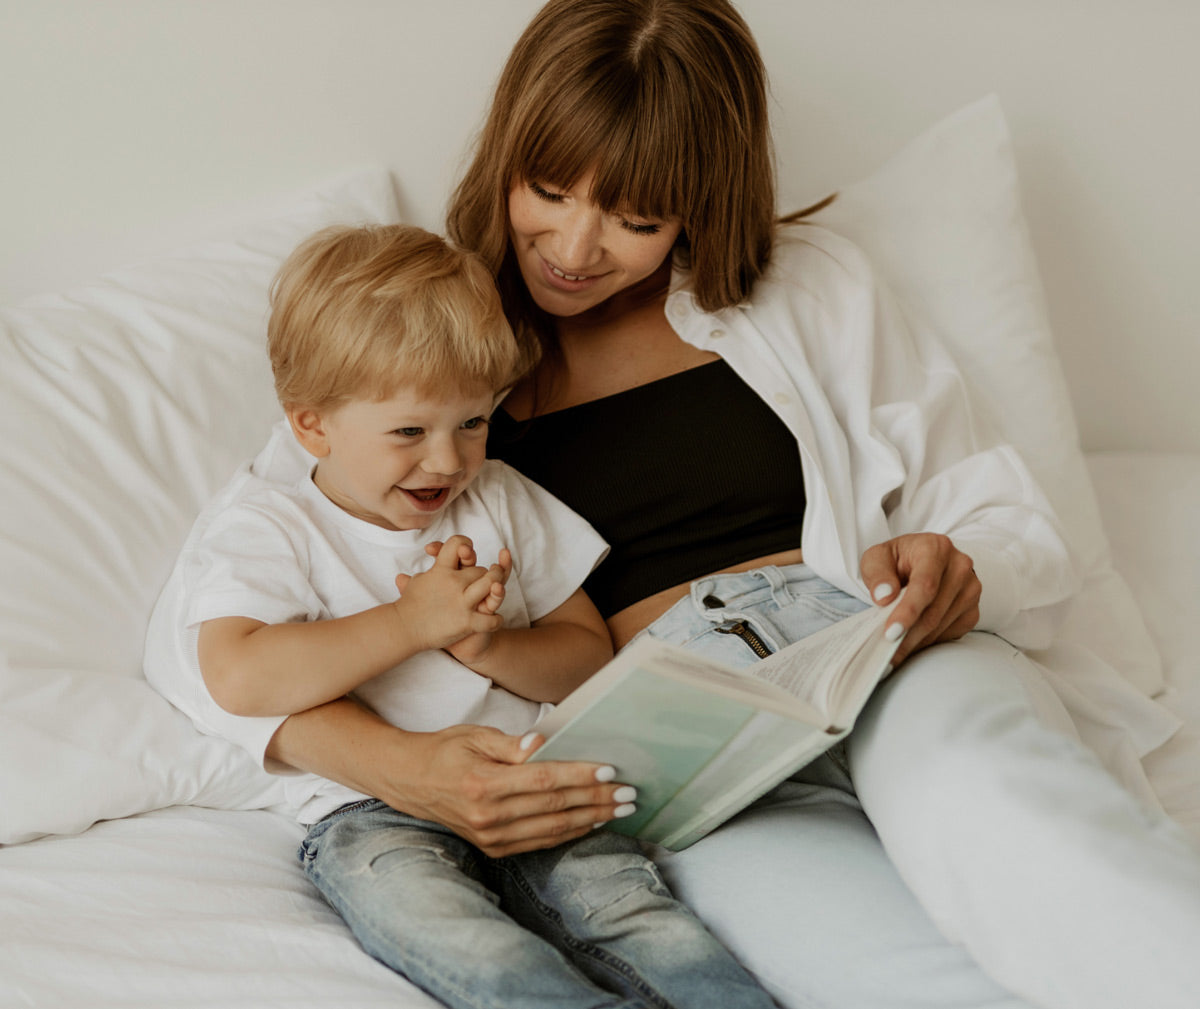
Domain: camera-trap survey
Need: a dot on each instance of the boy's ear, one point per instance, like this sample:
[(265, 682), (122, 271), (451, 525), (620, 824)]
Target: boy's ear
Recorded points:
[(308, 425)]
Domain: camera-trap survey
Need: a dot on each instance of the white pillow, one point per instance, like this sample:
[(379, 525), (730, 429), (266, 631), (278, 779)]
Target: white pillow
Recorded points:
[(123, 406), (943, 222)]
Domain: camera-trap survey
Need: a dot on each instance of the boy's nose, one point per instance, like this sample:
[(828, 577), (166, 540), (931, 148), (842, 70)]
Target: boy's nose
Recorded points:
[(443, 458)]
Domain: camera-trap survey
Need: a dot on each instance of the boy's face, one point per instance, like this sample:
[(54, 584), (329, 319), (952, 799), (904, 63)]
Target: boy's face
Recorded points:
[(398, 462)]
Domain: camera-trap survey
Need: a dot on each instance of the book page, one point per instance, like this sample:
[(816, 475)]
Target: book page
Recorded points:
[(824, 666)]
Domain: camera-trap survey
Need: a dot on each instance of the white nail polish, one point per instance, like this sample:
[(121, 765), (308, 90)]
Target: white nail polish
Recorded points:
[(597, 826), (527, 740), (882, 592), (894, 632), (626, 793), (606, 773), (625, 809)]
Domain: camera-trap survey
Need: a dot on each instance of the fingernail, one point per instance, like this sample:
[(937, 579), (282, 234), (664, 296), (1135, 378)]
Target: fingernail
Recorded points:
[(894, 632), (888, 669), (626, 793), (882, 592), (597, 826), (605, 773), (625, 809), (527, 740)]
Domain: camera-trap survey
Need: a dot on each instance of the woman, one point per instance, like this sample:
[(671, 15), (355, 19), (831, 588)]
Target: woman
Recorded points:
[(740, 410)]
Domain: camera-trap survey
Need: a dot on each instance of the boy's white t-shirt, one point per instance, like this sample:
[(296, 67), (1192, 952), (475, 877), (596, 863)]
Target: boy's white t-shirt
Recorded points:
[(286, 553)]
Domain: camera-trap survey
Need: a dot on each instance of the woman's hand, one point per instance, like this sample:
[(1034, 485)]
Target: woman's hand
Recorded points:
[(470, 778), (941, 598), (474, 781)]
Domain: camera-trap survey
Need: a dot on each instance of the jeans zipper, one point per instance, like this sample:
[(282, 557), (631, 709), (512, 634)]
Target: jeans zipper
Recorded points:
[(757, 645)]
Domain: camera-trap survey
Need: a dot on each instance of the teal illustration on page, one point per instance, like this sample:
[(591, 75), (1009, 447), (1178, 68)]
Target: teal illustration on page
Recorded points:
[(656, 736)]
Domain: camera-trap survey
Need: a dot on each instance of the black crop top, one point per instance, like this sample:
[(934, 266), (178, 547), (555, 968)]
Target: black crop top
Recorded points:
[(683, 476)]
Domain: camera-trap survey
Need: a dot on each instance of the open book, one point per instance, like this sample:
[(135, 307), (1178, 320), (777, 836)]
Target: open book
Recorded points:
[(700, 740)]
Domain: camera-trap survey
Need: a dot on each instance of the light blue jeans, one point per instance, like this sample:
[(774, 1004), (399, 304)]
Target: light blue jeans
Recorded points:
[(587, 924)]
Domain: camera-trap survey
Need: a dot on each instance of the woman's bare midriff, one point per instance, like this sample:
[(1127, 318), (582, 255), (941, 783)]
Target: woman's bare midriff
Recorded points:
[(624, 624)]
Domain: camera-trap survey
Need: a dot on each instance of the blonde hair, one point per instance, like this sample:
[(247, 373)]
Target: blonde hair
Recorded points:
[(358, 312), (668, 100)]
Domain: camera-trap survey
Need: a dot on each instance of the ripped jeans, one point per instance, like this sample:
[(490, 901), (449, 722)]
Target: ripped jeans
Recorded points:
[(588, 923)]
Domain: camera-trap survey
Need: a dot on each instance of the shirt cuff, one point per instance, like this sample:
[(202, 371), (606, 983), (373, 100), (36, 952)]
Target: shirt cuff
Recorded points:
[(1000, 601)]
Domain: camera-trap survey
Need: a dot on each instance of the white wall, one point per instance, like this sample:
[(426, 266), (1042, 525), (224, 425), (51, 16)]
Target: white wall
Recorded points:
[(129, 124)]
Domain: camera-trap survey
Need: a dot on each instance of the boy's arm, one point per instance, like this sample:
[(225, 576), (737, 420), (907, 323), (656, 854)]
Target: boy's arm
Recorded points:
[(254, 668), (548, 660)]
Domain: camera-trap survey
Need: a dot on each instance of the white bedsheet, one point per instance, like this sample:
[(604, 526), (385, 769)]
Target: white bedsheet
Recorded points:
[(182, 907), (189, 907)]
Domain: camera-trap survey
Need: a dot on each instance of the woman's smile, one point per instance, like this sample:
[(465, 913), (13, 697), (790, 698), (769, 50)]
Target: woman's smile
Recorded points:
[(573, 255)]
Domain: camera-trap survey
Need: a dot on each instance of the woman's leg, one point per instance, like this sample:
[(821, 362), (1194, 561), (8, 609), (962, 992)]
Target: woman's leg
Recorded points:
[(1020, 844), (800, 889), (414, 898), (798, 886), (604, 904)]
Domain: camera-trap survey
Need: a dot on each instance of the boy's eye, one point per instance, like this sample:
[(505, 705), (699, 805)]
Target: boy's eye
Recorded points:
[(474, 422), (410, 432), (542, 193)]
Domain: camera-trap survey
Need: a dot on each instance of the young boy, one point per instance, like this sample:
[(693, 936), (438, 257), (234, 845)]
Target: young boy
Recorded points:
[(389, 348)]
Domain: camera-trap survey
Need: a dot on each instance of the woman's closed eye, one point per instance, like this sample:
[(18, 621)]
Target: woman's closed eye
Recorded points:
[(640, 229), (630, 222), (542, 193)]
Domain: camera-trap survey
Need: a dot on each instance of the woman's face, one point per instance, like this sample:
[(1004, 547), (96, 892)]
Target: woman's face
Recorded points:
[(573, 256)]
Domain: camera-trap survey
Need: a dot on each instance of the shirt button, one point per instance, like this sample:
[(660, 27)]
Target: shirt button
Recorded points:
[(716, 334)]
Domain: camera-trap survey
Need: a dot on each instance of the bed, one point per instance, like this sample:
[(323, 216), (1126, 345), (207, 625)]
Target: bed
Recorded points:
[(147, 206)]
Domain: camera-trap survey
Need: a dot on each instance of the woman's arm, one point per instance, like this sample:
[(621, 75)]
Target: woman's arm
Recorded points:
[(469, 778), (924, 493)]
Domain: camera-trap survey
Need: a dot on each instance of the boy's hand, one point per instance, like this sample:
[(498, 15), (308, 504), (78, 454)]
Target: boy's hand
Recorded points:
[(455, 599), (474, 647)]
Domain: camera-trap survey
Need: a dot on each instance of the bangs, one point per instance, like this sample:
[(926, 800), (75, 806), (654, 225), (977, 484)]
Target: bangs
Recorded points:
[(617, 124)]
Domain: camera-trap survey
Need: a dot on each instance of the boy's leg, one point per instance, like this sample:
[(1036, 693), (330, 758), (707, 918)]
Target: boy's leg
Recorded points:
[(602, 902), (412, 894)]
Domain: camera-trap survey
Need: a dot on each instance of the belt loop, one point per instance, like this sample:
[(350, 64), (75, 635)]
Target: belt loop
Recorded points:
[(700, 589), (778, 582)]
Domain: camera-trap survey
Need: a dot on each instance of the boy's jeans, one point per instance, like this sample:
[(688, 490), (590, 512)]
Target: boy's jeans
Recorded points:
[(568, 926)]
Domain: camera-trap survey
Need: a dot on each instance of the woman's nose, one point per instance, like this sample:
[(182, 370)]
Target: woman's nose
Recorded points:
[(580, 239)]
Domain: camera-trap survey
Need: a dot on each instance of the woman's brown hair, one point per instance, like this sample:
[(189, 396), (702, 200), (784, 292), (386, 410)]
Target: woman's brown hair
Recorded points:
[(668, 100)]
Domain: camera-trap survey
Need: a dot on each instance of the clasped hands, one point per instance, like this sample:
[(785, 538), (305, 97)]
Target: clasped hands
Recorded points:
[(454, 604)]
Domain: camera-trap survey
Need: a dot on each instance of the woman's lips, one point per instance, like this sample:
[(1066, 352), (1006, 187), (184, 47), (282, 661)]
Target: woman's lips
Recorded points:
[(565, 276), (561, 280)]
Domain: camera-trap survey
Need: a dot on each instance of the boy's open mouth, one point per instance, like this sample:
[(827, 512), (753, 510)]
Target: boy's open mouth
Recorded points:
[(429, 498)]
